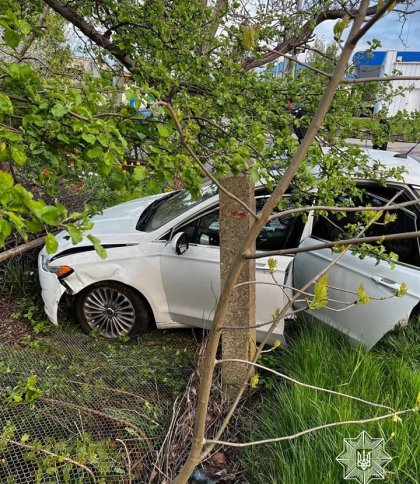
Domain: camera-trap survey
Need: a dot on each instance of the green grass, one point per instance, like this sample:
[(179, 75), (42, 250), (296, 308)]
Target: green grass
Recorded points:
[(388, 374)]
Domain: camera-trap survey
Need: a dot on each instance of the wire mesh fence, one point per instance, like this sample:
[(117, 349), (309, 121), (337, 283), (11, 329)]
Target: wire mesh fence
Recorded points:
[(99, 411)]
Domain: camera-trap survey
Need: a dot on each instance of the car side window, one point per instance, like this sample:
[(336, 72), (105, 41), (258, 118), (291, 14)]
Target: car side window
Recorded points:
[(277, 234), (332, 228)]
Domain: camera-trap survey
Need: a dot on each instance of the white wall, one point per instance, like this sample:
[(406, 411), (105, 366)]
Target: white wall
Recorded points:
[(410, 100)]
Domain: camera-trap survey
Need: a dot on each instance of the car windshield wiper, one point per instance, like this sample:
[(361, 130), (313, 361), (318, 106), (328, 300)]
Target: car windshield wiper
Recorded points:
[(150, 210)]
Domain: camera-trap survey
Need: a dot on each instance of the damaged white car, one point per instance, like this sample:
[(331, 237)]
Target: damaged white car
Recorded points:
[(162, 267)]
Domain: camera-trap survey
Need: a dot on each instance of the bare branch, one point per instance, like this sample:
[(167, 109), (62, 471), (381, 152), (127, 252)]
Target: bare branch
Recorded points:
[(337, 244), (380, 79), (127, 453), (344, 80), (327, 208), (306, 385), (309, 431)]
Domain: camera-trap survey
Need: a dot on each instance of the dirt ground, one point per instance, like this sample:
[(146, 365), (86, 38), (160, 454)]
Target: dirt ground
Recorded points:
[(12, 329)]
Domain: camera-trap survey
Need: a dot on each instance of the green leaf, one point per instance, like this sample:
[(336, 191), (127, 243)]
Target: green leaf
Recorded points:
[(33, 227), (402, 290), (104, 140), (249, 36), (75, 234), (24, 26), (50, 215), (272, 265), (89, 138), (320, 298), (12, 38), (51, 244), (94, 152), (6, 105), (362, 297), (340, 26), (97, 245), (18, 154), (5, 228), (164, 130), (139, 173), (59, 110), (254, 380), (255, 176), (6, 180)]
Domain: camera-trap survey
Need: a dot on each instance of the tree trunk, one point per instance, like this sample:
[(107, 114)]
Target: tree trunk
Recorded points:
[(235, 223)]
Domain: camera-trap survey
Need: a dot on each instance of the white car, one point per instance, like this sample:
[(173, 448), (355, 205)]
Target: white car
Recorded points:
[(163, 265)]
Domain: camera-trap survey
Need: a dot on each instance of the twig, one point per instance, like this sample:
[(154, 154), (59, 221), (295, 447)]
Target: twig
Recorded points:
[(336, 244), (128, 459), (305, 385), (120, 420), (307, 431), (327, 208), (52, 454), (105, 387)]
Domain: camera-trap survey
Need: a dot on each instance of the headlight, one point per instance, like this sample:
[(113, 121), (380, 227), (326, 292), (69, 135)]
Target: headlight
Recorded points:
[(60, 271)]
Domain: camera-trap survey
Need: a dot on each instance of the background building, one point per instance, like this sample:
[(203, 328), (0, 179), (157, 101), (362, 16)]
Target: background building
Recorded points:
[(385, 63)]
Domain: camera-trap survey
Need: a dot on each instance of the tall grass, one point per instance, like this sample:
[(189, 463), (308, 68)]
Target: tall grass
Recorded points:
[(19, 276), (388, 374)]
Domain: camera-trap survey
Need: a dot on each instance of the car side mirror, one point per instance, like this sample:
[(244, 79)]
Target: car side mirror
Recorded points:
[(180, 243)]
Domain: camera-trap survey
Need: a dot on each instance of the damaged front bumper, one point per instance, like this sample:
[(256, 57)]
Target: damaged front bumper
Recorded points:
[(52, 289)]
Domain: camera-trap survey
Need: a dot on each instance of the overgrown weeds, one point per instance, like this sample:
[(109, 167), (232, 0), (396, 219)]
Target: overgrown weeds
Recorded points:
[(389, 374)]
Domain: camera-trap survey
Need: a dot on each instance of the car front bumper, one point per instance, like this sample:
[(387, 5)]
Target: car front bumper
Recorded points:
[(52, 289)]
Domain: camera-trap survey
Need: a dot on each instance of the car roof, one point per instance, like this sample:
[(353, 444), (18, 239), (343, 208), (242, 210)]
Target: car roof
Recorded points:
[(390, 160)]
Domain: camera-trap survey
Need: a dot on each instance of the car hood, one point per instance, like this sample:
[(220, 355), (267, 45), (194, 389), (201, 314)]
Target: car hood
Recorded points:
[(114, 226)]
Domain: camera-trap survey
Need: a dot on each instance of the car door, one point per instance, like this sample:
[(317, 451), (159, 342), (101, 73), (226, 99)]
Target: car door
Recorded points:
[(364, 323), (192, 280)]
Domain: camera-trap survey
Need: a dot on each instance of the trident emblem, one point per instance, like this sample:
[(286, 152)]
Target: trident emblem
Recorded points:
[(364, 459)]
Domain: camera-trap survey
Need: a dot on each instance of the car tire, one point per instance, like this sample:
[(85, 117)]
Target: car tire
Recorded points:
[(112, 310)]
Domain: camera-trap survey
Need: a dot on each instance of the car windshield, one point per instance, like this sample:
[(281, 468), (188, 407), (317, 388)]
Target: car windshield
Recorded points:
[(164, 210)]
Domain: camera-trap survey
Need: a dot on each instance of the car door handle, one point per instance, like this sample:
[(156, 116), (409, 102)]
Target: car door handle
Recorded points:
[(386, 282)]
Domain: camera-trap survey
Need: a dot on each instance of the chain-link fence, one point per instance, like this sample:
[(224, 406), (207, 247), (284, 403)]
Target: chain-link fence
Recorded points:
[(99, 411)]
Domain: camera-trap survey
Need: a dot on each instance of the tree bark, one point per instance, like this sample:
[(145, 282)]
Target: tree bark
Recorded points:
[(21, 249), (235, 223)]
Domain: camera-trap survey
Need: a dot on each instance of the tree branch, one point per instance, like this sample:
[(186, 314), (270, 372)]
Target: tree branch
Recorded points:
[(31, 37), (306, 385), (52, 454), (307, 30), (327, 208), (336, 244), (309, 431), (89, 30)]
